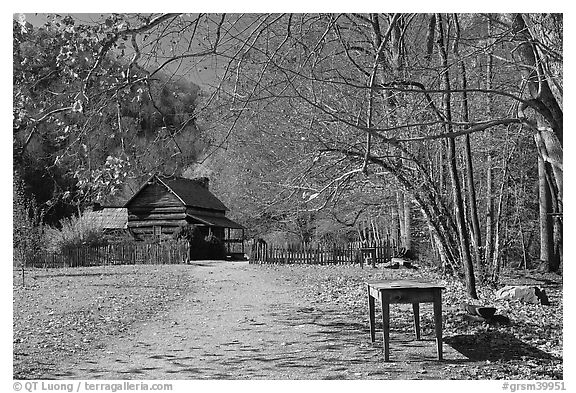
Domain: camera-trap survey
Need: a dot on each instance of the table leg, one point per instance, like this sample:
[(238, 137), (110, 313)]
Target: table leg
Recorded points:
[(372, 317), (386, 328), (438, 321), (416, 308)]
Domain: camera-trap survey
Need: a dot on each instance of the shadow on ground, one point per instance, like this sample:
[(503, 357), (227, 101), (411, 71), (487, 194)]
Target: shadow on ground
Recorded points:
[(44, 275), (494, 346), (202, 264)]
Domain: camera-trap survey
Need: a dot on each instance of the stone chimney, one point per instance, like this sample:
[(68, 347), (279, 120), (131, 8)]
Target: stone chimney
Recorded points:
[(203, 181)]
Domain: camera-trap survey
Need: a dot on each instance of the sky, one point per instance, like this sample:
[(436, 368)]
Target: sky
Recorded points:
[(203, 74)]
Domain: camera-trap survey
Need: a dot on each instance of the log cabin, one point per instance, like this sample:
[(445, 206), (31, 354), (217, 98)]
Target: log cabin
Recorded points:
[(163, 205)]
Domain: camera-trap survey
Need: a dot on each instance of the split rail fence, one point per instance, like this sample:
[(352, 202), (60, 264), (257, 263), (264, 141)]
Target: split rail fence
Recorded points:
[(381, 250)]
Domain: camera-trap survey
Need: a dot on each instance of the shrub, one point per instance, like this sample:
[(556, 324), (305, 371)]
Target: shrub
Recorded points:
[(74, 232), (27, 226)]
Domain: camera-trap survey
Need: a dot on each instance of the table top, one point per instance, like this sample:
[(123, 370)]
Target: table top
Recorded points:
[(403, 284)]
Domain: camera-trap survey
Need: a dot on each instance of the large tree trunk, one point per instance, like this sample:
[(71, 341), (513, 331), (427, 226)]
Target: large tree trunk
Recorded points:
[(543, 98), (456, 191), (547, 124), (547, 256), (550, 200)]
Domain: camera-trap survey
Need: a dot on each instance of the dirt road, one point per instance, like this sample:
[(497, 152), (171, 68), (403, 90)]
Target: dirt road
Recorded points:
[(247, 322)]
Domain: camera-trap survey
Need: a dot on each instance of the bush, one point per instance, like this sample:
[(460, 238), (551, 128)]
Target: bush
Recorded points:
[(27, 229), (74, 232)]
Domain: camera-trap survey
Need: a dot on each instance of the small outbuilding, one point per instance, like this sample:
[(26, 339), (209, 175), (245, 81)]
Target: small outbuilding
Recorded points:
[(163, 205), (112, 220)]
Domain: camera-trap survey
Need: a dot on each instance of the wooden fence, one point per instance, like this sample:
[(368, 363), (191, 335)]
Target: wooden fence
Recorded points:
[(262, 253), (234, 246), (178, 252), (164, 253)]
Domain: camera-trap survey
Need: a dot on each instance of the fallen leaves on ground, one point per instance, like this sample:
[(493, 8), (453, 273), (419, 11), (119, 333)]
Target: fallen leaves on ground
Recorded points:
[(530, 347), (60, 312), (64, 311)]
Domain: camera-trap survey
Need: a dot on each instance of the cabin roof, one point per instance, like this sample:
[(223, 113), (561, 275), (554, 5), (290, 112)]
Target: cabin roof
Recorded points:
[(212, 221), (190, 192), (107, 218)]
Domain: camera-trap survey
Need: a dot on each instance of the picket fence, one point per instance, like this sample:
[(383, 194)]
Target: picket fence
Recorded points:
[(321, 254), (168, 253), (165, 253)]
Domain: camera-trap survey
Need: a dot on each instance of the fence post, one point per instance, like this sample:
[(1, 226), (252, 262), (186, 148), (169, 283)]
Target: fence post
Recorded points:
[(334, 254)]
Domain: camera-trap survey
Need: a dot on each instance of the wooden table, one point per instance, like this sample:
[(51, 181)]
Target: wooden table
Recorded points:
[(404, 291)]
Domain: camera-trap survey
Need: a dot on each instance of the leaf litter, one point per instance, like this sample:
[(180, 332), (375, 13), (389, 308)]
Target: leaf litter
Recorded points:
[(529, 347), (62, 312)]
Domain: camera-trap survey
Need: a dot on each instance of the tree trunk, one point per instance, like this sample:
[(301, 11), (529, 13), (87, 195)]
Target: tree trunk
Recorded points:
[(497, 237), (546, 224), (456, 192), (407, 223), (548, 135), (471, 188), (433, 248), (550, 176), (395, 61), (489, 246), (524, 248), (400, 215), (533, 72)]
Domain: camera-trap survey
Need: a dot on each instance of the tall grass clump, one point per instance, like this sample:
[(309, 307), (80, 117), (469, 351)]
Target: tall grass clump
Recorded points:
[(74, 232)]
